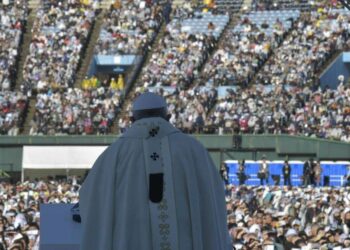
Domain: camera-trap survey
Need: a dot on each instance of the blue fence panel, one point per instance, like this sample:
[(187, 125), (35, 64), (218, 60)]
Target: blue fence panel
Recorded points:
[(334, 170)]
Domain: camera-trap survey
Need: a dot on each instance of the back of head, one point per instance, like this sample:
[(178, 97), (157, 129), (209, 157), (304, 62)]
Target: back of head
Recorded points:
[(148, 105)]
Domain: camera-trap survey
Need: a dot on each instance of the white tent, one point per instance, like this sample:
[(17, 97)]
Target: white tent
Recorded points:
[(60, 157)]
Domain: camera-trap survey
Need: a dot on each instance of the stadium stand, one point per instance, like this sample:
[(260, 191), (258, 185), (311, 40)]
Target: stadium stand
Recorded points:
[(183, 49), (257, 216), (316, 37), (188, 108), (60, 34), (12, 21), (288, 218), (262, 79), (20, 209), (285, 110), (187, 43), (13, 107), (229, 5), (247, 46), (260, 108), (264, 47), (75, 111), (303, 5), (128, 28)]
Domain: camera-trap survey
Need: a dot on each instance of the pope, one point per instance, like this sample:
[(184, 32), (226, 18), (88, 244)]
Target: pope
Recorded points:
[(154, 188)]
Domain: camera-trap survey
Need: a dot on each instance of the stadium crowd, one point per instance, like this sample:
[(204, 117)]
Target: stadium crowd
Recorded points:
[(304, 5), (278, 217), (12, 21), (61, 29), (286, 218), (281, 4), (259, 110), (75, 111), (316, 37), (13, 107), (129, 27), (178, 57), (243, 51), (59, 35), (188, 108), (295, 111), (20, 209)]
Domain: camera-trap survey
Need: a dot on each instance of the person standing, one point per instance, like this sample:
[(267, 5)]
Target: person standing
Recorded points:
[(307, 172), (317, 173), (347, 178), (286, 173), (154, 188), (241, 173), (223, 173), (263, 173), (312, 173)]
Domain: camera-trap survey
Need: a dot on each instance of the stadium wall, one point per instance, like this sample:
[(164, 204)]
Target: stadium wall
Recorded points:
[(249, 147), (340, 66), (332, 172)]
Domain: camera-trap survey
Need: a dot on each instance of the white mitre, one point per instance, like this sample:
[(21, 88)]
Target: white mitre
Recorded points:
[(148, 100)]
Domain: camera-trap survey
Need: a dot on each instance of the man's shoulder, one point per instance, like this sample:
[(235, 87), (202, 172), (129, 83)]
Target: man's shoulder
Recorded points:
[(113, 147)]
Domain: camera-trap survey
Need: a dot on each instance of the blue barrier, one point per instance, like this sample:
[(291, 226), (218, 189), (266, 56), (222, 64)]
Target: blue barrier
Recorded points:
[(334, 170)]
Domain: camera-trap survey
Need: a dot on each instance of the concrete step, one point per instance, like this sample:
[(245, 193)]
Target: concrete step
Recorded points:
[(89, 52), (234, 19), (24, 49), (30, 116), (270, 57)]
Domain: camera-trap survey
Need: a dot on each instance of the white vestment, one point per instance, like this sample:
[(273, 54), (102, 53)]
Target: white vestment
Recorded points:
[(115, 208)]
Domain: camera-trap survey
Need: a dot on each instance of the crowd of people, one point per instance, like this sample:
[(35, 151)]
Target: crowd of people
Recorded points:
[(288, 218), (303, 5), (316, 37), (75, 111), (12, 20), (301, 110), (304, 110), (13, 107), (20, 209), (294, 111), (59, 35), (258, 217), (129, 27), (259, 110), (245, 48), (179, 55), (282, 4), (188, 108), (294, 105)]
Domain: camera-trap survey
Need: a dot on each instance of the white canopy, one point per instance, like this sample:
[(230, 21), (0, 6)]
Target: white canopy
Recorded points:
[(60, 157)]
